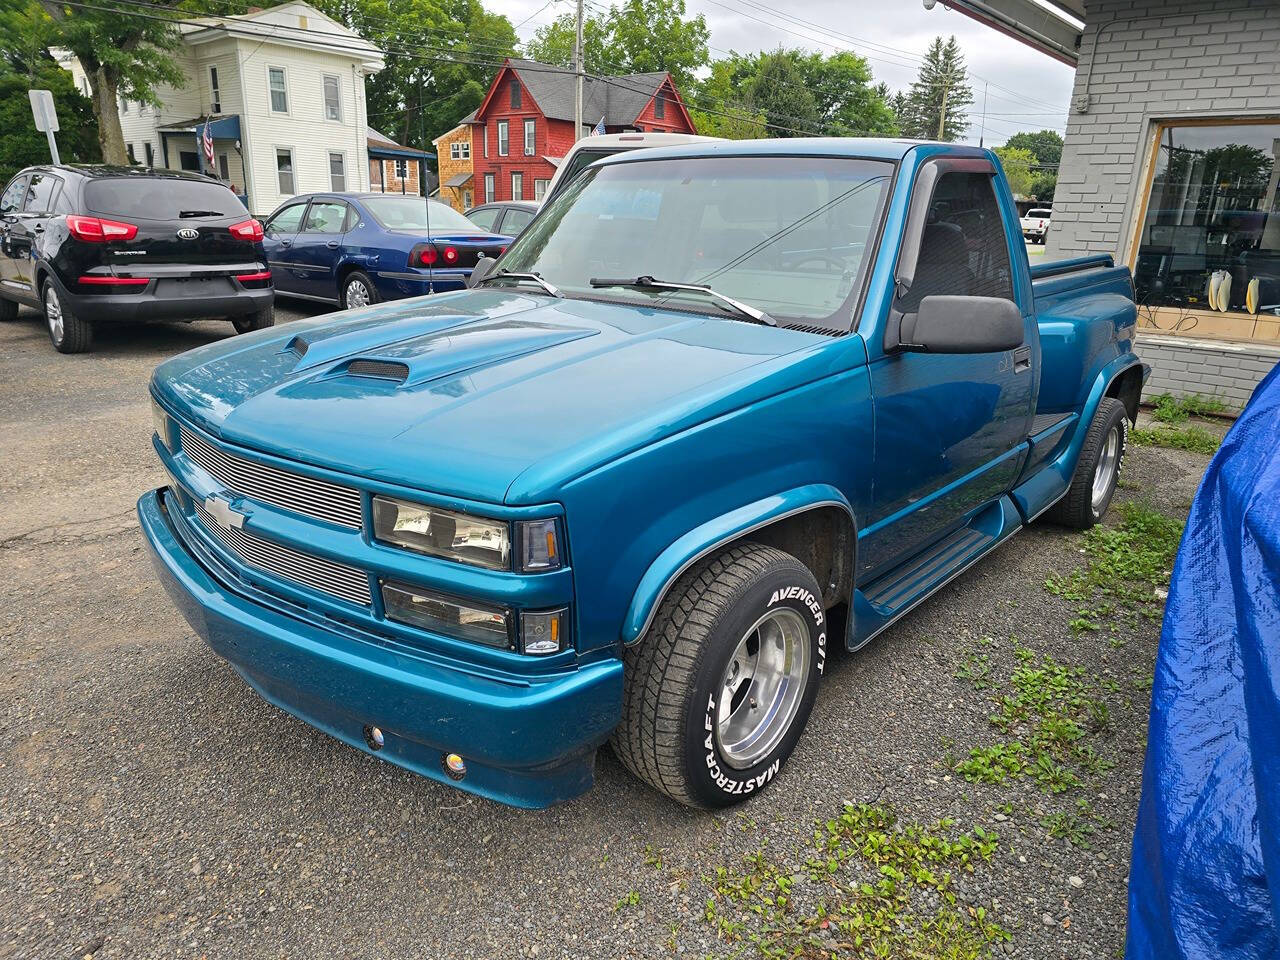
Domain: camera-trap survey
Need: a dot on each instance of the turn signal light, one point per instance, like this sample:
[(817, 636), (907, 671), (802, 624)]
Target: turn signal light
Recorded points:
[(250, 230), (98, 230)]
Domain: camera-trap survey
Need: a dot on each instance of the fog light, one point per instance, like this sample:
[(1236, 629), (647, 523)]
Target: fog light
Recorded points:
[(454, 766), (542, 632), (373, 737)]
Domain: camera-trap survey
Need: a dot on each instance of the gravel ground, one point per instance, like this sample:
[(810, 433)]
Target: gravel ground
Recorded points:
[(152, 806)]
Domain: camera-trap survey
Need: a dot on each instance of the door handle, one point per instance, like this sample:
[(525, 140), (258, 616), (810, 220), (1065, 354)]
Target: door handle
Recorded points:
[(286, 243), (1022, 359), (332, 244)]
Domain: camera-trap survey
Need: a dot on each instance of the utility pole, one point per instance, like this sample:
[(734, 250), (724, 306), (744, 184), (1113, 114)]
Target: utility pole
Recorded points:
[(982, 131), (577, 86), (942, 114)]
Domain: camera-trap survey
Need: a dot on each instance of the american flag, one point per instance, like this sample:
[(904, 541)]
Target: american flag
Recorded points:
[(206, 140), (598, 129)]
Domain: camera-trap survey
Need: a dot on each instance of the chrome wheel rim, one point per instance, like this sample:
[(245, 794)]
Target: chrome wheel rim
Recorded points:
[(1108, 463), (357, 294), (53, 313), (761, 687)]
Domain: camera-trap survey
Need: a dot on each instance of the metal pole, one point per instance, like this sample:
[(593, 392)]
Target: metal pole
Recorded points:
[(982, 131), (577, 69), (53, 147), (942, 114)]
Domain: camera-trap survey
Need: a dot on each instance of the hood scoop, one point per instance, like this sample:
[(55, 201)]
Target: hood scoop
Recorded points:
[(456, 350)]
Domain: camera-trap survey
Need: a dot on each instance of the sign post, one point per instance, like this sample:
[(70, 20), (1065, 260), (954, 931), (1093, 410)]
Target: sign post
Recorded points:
[(46, 118)]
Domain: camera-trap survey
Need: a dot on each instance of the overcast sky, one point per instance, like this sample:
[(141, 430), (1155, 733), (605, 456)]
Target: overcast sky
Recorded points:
[(1026, 91)]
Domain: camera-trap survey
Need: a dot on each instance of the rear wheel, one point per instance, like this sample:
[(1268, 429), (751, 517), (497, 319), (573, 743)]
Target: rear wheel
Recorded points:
[(258, 320), (358, 291), (68, 332), (719, 690), (1097, 471)]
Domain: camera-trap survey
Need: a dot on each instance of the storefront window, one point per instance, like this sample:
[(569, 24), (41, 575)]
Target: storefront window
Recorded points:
[(1210, 237)]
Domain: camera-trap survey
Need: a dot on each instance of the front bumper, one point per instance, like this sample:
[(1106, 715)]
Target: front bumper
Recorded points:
[(529, 743)]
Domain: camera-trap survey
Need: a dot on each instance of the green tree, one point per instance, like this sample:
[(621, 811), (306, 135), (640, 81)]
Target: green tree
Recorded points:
[(23, 145), (724, 117), (778, 91), (125, 56), (1018, 166), (847, 102), (1045, 145), (418, 95), (940, 96), (639, 36)]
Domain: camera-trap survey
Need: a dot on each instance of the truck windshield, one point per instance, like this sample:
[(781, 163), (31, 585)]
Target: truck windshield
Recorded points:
[(786, 235)]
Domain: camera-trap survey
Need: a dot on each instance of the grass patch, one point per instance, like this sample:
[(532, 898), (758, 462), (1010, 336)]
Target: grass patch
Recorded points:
[(1192, 438), (869, 887), (1170, 409)]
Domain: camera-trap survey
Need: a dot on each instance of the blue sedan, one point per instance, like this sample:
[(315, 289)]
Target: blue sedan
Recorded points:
[(354, 249)]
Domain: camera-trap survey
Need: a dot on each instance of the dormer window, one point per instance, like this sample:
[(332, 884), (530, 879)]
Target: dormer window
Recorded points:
[(659, 107), (515, 94)]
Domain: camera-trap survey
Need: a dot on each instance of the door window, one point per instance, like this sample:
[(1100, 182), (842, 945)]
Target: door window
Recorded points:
[(484, 218), (40, 196), (325, 217), (287, 221), (964, 251), (515, 221), (11, 200)]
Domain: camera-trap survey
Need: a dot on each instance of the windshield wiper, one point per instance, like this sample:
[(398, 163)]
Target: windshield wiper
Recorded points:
[(649, 283), (201, 213), (531, 277)]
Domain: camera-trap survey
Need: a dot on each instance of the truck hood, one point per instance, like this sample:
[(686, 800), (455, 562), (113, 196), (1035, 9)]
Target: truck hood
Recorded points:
[(492, 395)]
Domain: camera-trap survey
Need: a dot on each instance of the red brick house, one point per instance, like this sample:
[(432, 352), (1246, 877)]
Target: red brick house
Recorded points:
[(525, 124)]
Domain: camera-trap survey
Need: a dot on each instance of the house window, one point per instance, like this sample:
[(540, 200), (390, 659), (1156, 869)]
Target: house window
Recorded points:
[(540, 188), (402, 169), (337, 172), (150, 152), (659, 107), (530, 137), (215, 96), (284, 170), (503, 138), (133, 157), (484, 138), (467, 197), (455, 151), (188, 160), (466, 149), (223, 167), (488, 188), (1210, 232), (279, 96), (515, 94), (332, 99), (517, 185)]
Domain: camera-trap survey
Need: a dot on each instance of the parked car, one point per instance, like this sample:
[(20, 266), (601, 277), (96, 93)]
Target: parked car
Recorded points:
[(100, 244), (737, 402), (508, 217), (590, 149), (354, 249), (1035, 224)]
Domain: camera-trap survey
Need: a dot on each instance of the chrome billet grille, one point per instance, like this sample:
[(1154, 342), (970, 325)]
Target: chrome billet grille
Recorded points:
[(336, 579), (320, 499)]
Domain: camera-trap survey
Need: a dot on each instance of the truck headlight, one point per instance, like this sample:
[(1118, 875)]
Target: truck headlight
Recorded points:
[(160, 420), (442, 533), (448, 617)]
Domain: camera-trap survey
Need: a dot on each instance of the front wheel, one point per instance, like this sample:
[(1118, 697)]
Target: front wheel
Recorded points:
[(1097, 471), (68, 332), (358, 291), (719, 690)]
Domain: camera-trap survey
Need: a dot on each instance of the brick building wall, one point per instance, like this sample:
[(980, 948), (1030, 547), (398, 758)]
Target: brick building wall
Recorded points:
[(457, 140), (1143, 62)]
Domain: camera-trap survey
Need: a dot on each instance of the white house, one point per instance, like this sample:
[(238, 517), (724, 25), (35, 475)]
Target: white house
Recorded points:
[(283, 89)]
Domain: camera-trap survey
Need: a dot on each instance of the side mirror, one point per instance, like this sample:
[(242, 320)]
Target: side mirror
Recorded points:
[(963, 325), (484, 266)]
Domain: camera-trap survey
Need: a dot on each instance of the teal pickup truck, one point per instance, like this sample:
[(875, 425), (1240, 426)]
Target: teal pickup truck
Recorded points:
[(719, 407)]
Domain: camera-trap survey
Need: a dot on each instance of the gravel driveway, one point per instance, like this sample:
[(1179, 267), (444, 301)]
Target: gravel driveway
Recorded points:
[(152, 806)]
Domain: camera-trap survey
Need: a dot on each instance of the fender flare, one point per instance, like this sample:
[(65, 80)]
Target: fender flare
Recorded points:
[(714, 534), (1066, 462)]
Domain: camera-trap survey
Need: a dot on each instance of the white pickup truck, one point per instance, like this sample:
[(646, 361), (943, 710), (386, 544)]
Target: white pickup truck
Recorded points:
[(1035, 224)]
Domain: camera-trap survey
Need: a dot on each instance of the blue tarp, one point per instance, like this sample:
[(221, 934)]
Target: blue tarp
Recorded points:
[(1205, 880)]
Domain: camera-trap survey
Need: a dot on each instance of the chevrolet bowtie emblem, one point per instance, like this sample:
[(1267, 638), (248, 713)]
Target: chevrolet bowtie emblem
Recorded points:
[(221, 511)]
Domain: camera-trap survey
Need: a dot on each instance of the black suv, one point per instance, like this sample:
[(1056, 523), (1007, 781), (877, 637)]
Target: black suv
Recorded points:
[(94, 244)]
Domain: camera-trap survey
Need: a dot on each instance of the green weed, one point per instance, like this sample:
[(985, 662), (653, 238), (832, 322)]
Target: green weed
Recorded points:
[(1170, 409), (1191, 438)]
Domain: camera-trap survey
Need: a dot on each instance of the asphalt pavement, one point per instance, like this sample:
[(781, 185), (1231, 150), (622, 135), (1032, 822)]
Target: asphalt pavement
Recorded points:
[(151, 805)]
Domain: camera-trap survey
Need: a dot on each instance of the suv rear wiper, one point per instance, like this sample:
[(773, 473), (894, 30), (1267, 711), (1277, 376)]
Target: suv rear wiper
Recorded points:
[(649, 283), (531, 277), (200, 213)]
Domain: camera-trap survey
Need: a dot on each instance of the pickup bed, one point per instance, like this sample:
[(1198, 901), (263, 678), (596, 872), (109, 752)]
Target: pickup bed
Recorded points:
[(720, 406)]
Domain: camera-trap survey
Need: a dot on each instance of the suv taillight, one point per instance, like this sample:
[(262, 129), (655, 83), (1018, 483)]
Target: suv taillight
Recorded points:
[(250, 230), (98, 230)]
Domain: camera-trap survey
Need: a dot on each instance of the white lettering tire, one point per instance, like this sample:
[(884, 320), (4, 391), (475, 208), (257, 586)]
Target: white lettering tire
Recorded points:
[(674, 734)]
